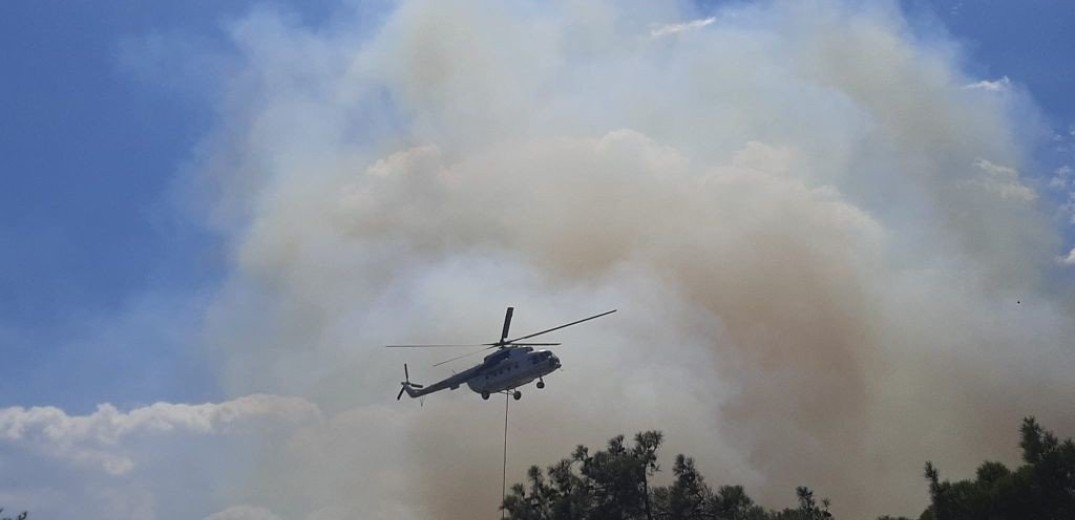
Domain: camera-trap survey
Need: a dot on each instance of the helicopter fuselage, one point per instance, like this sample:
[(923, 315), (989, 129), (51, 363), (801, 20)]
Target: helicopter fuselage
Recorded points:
[(520, 366), (504, 370)]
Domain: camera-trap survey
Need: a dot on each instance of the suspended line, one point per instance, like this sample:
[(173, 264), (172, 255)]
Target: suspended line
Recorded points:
[(504, 472)]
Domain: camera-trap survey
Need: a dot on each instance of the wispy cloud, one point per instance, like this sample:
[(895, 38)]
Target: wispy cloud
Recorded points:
[(1004, 84), (1070, 259), (1062, 178), (675, 28), (1002, 181)]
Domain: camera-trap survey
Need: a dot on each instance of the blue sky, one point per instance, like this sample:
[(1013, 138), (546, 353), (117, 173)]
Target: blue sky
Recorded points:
[(91, 154), (93, 221)]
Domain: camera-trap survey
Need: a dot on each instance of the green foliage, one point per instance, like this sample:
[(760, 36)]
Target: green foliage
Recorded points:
[(608, 484), (613, 484), (1043, 488)]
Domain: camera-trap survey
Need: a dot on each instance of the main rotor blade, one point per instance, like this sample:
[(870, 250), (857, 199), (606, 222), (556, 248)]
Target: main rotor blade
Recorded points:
[(493, 345), (507, 324), (440, 345), (400, 394), (463, 356), (546, 331)]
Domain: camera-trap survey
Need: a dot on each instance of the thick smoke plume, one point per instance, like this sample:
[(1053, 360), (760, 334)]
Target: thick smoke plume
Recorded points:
[(829, 259)]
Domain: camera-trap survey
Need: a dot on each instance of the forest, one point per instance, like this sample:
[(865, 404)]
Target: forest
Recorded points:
[(614, 484)]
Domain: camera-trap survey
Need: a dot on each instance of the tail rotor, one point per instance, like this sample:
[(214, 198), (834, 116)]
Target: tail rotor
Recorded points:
[(406, 383)]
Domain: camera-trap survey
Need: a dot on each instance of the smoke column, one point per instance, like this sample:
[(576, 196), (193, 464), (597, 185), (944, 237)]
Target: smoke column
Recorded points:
[(816, 228)]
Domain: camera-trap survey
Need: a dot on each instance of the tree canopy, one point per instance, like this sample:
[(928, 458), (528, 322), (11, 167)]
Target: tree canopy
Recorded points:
[(1042, 488), (614, 484)]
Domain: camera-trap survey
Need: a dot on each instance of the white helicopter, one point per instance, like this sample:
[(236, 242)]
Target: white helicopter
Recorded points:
[(514, 364)]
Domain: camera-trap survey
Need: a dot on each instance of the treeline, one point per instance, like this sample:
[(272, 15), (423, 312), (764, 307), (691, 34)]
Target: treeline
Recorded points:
[(614, 484), (1042, 488)]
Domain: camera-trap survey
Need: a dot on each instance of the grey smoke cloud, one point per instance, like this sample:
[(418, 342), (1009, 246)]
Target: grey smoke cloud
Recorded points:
[(815, 234)]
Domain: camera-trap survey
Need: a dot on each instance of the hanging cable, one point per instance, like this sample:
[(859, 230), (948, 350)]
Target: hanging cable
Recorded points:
[(504, 472)]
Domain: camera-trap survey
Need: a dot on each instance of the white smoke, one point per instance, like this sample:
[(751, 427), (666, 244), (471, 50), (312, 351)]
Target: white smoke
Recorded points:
[(829, 264)]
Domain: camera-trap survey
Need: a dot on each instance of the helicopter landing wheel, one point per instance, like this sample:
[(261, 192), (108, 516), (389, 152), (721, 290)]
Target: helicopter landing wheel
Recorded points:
[(540, 384), (517, 395), (485, 395)]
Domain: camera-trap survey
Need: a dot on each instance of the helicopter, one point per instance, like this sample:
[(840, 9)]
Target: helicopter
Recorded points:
[(515, 363)]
